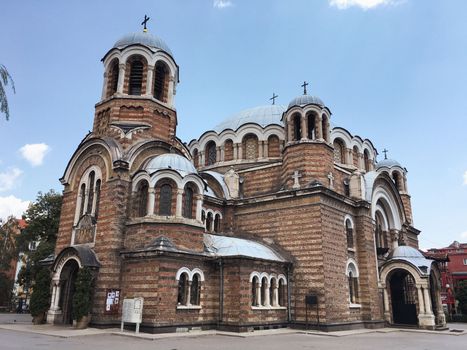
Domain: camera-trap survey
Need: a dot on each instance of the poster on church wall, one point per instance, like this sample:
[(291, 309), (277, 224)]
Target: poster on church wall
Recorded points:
[(132, 310), (112, 301)]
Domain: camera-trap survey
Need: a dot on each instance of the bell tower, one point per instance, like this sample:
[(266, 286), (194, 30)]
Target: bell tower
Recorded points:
[(140, 78), (308, 154)]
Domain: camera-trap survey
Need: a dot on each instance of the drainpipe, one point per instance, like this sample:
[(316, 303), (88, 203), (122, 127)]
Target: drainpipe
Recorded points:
[(289, 310), (221, 291)]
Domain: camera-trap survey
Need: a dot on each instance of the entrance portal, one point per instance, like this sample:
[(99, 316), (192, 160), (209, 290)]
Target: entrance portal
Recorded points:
[(67, 281), (403, 298)]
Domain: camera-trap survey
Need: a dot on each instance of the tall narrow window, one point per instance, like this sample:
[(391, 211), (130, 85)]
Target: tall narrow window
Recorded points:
[(311, 126), (264, 291), (355, 156), (396, 179), (324, 127), (339, 151), (136, 77), (217, 223), (211, 153), (160, 81), (366, 159), (98, 198), (195, 158), (114, 72), (250, 147), (352, 278), (92, 176), (209, 219), (182, 298), (281, 292), (165, 203), (195, 290), (142, 199), (272, 295), (349, 233), (254, 291), (83, 199), (297, 128), (188, 203)]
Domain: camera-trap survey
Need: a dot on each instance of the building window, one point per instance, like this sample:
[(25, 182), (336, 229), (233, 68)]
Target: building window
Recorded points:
[(311, 126), (250, 147), (324, 127), (339, 151), (281, 292), (98, 198), (189, 287), (142, 199), (352, 278), (113, 78), (165, 203), (264, 292), (160, 81), (217, 223), (89, 194), (268, 291), (349, 233), (188, 203), (82, 197), (366, 159), (297, 128), (209, 219), (211, 153), (465, 261), (254, 292), (136, 77)]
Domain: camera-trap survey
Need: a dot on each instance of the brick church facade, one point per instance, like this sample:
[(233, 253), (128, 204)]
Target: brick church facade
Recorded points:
[(236, 228)]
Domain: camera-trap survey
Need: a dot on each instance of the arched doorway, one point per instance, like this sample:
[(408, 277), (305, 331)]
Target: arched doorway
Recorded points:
[(403, 298), (67, 290)]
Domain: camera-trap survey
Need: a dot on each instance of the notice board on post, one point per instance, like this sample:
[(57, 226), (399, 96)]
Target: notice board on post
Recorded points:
[(132, 312)]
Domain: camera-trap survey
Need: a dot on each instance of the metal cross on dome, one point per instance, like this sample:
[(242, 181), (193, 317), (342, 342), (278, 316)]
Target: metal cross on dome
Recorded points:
[(273, 98), (146, 19), (304, 85), (385, 151)]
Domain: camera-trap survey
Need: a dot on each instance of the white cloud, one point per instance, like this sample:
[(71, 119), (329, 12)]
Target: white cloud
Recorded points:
[(34, 153), (220, 4), (8, 179), (364, 4), (465, 178), (11, 205), (464, 235)]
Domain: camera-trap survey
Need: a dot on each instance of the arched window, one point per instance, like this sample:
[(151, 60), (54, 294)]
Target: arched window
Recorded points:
[(274, 148), (281, 292), (165, 202), (182, 298), (250, 147), (297, 127), (203, 216), (136, 77), (346, 183), (264, 291), (254, 292), (188, 203), (83, 196), (92, 176), (113, 78), (366, 159), (161, 80), (349, 233), (339, 151), (142, 199), (228, 150), (217, 223), (397, 180), (273, 292), (352, 278), (311, 126), (195, 157), (379, 231), (209, 220), (355, 156), (211, 153), (195, 290)]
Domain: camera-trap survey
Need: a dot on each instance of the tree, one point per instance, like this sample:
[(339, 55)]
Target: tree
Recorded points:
[(41, 294), (5, 78), (9, 230), (83, 294), (461, 296), (42, 220)]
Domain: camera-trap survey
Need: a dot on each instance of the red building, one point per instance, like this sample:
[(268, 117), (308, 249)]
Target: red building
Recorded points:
[(453, 269)]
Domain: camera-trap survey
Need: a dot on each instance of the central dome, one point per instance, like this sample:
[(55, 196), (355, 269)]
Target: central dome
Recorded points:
[(142, 38), (304, 100), (170, 161), (261, 115)]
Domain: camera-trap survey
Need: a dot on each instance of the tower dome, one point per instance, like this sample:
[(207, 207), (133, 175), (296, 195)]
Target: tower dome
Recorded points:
[(261, 115), (170, 161), (304, 100), (147, 39)]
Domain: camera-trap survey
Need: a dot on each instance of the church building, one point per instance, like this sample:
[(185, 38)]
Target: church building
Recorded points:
[(273, 218)]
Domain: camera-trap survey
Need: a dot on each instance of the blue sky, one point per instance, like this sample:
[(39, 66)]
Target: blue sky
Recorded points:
[(393, 71)]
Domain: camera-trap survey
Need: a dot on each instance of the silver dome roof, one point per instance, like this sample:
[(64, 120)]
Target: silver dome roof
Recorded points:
[(170, 161), (261, 115), (388, 163), (412, 256), (304, 100), (142, 38)]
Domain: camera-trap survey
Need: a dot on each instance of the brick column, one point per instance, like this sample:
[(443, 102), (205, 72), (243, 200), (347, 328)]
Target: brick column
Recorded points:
[(171, 91), (318, 128), (240, 151), (222, 153), (178, 210), (149, 80), (199, 206), (218, 154), (104, 86), (260, 149), (265, 149), (121, 78), (151, 200), (303, 123)]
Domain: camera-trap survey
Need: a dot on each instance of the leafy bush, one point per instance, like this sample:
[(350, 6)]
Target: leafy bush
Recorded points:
[(40, 298), (461, 296), (83, 294)]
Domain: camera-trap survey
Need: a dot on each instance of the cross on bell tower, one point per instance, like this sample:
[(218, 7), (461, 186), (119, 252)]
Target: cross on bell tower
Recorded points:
[(146, 19), (385, 151), (273, 98), (304, 85)]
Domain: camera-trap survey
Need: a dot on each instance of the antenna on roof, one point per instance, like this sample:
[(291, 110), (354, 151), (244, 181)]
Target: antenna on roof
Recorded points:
[(146, 19)]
